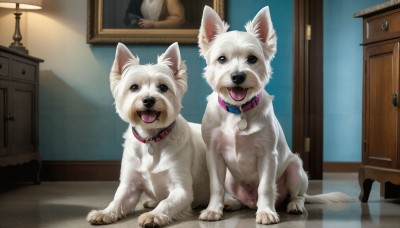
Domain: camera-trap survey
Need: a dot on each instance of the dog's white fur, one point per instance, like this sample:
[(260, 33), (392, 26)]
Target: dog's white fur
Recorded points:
[(255, 164), (175, 178)]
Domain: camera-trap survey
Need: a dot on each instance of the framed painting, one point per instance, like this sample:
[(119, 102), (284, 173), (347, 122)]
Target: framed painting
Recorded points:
[(147, 21)]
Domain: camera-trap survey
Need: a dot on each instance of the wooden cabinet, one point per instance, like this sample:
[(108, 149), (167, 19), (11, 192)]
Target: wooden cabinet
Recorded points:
[(381, 103), (19, 135)]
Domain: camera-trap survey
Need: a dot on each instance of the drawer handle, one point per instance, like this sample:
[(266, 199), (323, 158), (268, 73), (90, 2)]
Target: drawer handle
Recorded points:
[(395, 100), (1, 65), (385, 25), (23, 71), (10, 117)]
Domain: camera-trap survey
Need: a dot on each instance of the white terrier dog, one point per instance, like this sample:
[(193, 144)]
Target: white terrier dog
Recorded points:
[(164, 155), (246, 145)]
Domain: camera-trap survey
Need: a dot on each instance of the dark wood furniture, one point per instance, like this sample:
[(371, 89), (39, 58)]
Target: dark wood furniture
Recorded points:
[(19, 136), (381, 119)]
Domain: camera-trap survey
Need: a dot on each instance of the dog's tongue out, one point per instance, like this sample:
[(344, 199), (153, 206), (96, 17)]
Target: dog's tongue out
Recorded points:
[(148, 116), (237, 93)]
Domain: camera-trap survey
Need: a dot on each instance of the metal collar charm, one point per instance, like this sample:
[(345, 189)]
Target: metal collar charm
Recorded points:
[(242, 124)]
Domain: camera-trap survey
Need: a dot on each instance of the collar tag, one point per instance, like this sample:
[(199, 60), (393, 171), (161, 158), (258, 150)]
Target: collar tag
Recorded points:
[(150, 149), (242, 123)]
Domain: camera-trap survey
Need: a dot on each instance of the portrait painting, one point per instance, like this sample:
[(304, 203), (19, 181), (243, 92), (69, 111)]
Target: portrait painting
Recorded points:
[(147, 21)]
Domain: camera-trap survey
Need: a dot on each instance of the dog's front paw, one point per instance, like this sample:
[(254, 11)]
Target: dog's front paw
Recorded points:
[(295, 208), (207, 215), (267, 217), (100, 217), (152, 220)]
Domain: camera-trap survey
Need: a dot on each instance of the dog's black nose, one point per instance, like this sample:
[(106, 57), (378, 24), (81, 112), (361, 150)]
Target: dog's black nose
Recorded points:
[(238, 77), (149, 102)]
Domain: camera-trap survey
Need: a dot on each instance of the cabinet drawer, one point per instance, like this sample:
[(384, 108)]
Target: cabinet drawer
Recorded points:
[(4, 63), (23, 71), (382, 27)]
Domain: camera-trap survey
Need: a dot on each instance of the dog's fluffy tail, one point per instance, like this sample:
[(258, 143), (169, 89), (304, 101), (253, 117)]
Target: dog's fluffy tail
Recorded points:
[(332, 197)]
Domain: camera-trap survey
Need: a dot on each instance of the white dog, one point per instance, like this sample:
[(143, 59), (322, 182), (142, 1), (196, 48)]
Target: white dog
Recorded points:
[(246, 146), (164, 155)]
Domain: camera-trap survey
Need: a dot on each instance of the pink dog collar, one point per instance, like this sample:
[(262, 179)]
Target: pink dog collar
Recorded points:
[(158, 137), (240, 109)]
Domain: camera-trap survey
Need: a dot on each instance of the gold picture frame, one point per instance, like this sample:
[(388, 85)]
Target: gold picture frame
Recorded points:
[(104, 23)]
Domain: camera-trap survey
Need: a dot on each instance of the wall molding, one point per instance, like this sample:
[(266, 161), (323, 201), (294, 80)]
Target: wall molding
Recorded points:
[(80, 170), (341, 167), (110, 170)]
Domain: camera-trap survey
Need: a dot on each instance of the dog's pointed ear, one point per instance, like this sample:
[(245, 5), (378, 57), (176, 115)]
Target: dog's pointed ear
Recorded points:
[(211, 26), (261, 27), (122, 56), (172, 58)]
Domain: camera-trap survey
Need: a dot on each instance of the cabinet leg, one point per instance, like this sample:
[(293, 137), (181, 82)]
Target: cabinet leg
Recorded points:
[(390, 191), (366, 186), (36, 173), (36, 179)]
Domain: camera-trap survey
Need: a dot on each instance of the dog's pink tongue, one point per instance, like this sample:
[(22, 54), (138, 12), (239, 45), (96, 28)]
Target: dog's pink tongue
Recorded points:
[(148, 116), (237, 93)]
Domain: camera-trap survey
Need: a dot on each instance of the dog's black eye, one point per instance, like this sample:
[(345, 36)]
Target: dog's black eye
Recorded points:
[(222, 59), (163, 88), (134, 88), (252, 59)]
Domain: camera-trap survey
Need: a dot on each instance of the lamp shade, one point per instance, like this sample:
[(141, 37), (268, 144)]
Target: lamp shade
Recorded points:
[(23, 4)]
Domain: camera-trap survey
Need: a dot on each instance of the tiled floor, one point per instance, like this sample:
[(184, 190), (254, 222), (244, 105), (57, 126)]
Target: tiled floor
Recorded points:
[(65, 204)]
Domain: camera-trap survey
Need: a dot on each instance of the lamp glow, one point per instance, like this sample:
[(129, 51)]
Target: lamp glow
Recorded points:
[(20, 5)]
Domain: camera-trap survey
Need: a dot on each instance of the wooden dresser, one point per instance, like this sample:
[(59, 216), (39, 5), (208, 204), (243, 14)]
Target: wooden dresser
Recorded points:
[(19, 135), (381, 100)]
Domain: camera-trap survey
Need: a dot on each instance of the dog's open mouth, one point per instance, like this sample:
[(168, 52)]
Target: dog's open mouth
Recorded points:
[(149, 116), (237, 93)]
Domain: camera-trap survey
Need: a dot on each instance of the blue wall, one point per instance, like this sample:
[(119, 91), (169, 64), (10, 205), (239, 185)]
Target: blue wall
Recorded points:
[(343, 79), (77, 115)]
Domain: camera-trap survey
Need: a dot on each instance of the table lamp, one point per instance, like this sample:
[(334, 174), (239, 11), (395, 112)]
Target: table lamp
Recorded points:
[(20, 5)]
